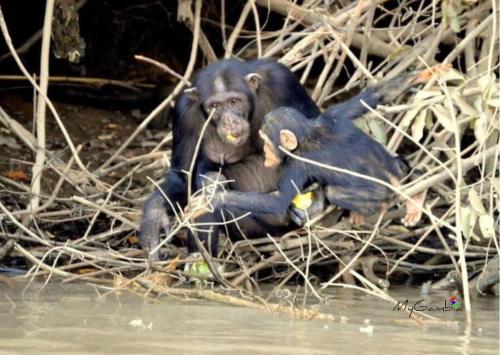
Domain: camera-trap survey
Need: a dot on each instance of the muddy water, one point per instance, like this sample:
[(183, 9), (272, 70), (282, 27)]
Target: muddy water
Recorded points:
[(65, 319)]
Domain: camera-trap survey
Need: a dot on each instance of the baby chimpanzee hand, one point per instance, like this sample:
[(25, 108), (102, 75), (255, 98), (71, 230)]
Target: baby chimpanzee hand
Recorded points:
[(203, 204)]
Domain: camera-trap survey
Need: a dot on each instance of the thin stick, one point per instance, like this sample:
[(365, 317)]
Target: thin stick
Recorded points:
[(257, 28), (163, 67), (37, 172), (8, 41), (173, 94), (237, 29)]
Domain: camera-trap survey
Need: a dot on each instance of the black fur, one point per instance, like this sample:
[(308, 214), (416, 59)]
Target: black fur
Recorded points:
[(331, 140)]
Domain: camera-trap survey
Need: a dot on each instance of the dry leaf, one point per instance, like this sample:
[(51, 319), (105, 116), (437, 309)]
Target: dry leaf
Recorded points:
[(443, 117), (417, 129), (410, 115), (86, 270), (465, 221), (463, 105), (17, 175), (475, 202), (106, 137), (426, 75), (494, 101), (451, 75), (133, 239), (487, 225), (496, 184), (481, 128)]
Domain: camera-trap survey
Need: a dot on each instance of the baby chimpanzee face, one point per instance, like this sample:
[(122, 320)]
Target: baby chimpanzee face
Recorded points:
[(278, 131), (271, 156)]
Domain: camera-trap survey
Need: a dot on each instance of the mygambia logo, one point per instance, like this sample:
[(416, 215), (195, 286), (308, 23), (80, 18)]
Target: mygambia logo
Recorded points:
[(455, 303)]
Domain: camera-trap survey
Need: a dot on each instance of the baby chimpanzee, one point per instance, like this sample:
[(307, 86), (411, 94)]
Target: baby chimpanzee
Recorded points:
[(332, 141)]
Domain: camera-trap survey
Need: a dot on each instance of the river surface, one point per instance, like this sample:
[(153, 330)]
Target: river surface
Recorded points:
[(62, 319)]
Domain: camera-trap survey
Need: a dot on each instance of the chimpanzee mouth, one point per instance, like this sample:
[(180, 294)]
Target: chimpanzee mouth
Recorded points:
[(235, 140)]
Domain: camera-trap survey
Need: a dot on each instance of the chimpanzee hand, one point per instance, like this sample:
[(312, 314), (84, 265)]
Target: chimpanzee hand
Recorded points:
[(154, 219), (202, 204), (307, 205)]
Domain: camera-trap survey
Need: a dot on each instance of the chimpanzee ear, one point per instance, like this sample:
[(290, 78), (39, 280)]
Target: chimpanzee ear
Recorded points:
[(192, 93), (288, 139), (253, 80)]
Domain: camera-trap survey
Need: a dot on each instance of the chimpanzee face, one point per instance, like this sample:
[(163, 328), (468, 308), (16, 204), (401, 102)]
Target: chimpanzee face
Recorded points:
[(231, 116), (231, 98), (272, 159)]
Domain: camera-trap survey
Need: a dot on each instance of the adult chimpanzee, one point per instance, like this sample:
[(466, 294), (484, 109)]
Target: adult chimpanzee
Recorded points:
[(331, 141), (240, 93)]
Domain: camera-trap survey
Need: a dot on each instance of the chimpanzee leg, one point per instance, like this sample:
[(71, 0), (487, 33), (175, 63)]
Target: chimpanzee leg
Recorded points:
[(365, 200), (381, 93)]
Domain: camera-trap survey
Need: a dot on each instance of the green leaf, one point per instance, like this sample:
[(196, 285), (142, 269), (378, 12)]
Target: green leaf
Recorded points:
[(429, 122), (377, 131), (446, 9), (455, 24), (398, 52), (361, 123)]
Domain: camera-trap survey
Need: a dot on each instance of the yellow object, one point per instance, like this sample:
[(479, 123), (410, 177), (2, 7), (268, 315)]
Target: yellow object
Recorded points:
[(303, 201), (231, 138)]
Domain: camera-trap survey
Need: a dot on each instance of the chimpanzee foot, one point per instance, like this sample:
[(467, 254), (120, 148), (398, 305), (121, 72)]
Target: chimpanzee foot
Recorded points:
[(392, 88), (411, 219), (414, 210), (356, 218)]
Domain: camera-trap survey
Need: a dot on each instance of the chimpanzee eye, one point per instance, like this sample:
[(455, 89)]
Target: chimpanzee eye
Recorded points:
[(214, 105), (234, 101)]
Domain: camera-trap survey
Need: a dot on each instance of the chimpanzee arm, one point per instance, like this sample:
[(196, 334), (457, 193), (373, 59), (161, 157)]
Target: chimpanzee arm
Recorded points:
[(251, 202), (292, 180), (187, 123)]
